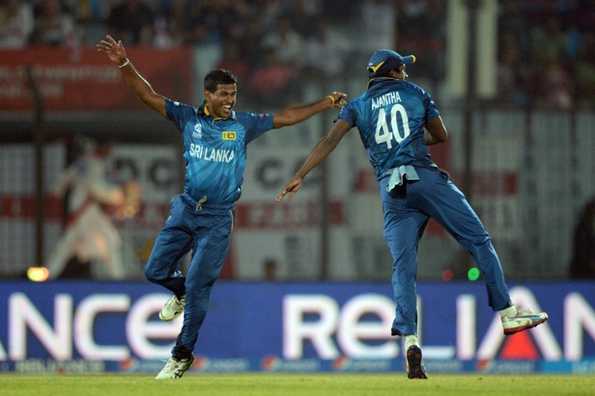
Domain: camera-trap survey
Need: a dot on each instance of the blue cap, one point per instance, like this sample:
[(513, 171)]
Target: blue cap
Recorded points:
[(384, 59)]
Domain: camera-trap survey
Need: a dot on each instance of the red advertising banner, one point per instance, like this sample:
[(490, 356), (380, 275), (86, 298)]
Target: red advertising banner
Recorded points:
[(83, 79)]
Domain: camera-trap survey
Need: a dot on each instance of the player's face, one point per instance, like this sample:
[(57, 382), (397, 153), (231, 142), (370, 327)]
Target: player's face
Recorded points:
[(221, 101)]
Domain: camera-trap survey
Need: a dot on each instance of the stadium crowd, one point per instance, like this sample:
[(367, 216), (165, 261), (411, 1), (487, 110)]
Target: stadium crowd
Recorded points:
[(264, 42), (546, 52)]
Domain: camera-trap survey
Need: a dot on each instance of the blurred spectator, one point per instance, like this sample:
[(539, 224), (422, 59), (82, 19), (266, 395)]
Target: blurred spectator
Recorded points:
[(378, 17), (554, 41), (234, 61), (205, 21), (16, 23), (421, 30), (510, 72), (557, 87), (548, 42), (270, 268), (286, 42), (585, 70), (90, 235), (325, 51), (163, 36), (303, 12), (271, 79), (132, 22), (582, 264), (53, 24)]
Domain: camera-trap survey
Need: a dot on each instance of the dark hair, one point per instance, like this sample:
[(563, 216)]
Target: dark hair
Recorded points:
[(385, 71), (218, 76)]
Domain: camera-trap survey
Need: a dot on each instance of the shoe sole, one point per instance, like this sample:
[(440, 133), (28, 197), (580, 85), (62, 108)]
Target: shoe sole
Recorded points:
[(415, 369), (523, 328)]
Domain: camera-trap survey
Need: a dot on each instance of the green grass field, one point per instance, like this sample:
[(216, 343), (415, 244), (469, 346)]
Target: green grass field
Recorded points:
[(295, 384)]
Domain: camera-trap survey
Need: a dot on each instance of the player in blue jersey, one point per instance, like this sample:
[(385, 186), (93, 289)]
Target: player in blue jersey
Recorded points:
[(397, 121), (215, 139)]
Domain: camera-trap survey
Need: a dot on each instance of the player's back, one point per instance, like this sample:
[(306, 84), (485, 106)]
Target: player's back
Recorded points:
[(390, 117)]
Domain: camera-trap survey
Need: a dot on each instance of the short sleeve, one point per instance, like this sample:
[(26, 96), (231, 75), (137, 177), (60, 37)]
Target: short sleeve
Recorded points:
[(430, 106), (348, 114), (255, 123), (179, 113)]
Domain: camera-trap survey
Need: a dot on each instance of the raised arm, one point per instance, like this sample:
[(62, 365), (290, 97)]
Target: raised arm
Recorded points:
[(116, 53), (435, 131), (326, 145), (293, 115)]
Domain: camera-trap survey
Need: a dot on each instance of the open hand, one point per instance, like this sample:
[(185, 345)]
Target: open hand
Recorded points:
[(114, 50), (290, 188)]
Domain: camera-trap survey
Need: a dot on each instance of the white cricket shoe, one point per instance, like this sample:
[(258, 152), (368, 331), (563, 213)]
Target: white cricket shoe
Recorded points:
[(515, 319), (172, 308), (174, 368)]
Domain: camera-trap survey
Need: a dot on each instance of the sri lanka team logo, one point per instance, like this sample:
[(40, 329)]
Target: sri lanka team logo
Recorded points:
[(228, 135)]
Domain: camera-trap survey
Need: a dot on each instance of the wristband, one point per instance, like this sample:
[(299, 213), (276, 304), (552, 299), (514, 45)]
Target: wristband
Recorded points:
[(125, 63), (331, 98)]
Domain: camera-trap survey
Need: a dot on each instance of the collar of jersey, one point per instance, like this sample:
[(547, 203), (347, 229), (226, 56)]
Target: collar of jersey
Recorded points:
[(374, 81), (203, 110)]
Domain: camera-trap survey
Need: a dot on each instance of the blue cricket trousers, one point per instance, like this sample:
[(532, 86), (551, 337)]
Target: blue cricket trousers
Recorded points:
[(207, 233), (406, 213)]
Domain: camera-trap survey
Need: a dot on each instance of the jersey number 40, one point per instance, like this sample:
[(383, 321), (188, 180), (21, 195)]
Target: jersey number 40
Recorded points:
[(384, 134)]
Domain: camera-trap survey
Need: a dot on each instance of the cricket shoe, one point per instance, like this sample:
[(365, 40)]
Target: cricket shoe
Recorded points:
[(172, 308), (415, 367), (515, 319), (174, 368)]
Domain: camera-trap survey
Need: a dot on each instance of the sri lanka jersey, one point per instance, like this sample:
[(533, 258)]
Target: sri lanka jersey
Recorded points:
[(390, 117), (215, 151)]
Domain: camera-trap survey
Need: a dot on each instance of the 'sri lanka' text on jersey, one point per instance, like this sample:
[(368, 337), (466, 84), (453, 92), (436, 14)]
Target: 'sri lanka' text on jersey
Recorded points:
[(211, 154), (390, 117), (215, 151)]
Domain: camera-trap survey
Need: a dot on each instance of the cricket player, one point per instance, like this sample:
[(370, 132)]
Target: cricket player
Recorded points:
[(215, 139), (90, 233), (397, 121)]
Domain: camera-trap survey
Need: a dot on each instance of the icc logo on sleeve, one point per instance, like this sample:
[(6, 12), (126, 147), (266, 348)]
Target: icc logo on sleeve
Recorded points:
[(197, 134)]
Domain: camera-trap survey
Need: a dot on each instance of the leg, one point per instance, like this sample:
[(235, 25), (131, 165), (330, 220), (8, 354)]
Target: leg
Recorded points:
[(441, 199), (63, 251), (403, 227), (210, 248), (112, 256), (172, 243)]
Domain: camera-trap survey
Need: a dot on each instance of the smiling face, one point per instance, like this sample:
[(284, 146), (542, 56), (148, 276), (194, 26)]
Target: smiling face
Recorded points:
[(220, 103)]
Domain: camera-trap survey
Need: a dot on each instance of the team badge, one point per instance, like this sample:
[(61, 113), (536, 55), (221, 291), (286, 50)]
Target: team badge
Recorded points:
[(228, 135), (197, 134)]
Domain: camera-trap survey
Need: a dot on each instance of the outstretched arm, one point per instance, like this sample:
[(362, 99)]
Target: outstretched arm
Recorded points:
[(293, 115), (318, 154), (116, 53)]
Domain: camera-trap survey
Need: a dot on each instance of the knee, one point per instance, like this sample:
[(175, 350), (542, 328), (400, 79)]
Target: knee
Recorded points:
[(479, 245), (151, 273), (478, 241)]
